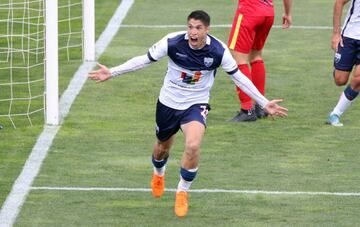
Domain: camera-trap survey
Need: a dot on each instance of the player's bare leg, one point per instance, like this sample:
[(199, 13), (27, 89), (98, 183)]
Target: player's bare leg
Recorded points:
[(159, 159), (341, 77), (194, 132), (355, 81), (347, 96)]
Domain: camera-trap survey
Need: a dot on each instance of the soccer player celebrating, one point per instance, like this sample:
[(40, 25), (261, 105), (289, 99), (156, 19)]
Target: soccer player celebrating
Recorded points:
[(194, 56), (346, 44), (251, 26)]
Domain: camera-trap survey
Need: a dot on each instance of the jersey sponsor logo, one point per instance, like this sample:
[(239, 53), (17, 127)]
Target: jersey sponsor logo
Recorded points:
[(337, 57), (208, 61), (190, 79)]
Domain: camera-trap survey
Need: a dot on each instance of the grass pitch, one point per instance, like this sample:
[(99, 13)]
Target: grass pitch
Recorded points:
[(106, 140)]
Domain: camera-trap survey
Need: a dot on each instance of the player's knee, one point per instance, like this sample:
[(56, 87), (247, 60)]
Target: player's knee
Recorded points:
[(192, 147), (340, 78), (192, 151), (256, 59), (340, 82)]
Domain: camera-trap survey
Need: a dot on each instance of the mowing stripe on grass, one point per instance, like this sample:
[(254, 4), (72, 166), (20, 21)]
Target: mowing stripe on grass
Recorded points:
[(22, 185), (221, 26), (201, 191)]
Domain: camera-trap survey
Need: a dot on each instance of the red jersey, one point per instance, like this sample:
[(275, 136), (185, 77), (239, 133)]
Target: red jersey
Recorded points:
[(256, 7)]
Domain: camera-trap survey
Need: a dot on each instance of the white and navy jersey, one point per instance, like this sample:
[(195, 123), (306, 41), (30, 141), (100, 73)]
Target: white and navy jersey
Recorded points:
[(191, 72), (351, 27)]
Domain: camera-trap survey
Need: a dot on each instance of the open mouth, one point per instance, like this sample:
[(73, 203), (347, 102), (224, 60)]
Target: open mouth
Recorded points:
[(193, 39)]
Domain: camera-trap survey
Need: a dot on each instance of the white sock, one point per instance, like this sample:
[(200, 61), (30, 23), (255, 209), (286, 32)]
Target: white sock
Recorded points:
[(342, 105), (160, 171), (183, 184)]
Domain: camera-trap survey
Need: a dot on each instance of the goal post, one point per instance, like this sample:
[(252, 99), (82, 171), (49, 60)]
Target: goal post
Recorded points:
[(51, 63), (52, 67), (89, 30)]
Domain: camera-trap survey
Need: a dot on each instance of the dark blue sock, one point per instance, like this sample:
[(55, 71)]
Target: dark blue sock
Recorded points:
[(158, 164), (350, 93), (187, 175)]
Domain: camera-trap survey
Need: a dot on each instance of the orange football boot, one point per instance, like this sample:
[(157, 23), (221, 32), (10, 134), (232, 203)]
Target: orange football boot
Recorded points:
[(181, 204), (157, 185)]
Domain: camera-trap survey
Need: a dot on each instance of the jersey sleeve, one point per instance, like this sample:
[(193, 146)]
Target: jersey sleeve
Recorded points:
[(228, 63), (131, 65), (158, 50)]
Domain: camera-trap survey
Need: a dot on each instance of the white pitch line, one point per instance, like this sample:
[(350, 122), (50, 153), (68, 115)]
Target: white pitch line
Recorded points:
[(22, 186), (220, 26), (201, 191)]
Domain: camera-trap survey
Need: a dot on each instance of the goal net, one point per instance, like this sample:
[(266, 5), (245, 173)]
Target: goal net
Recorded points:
[(27, 63)]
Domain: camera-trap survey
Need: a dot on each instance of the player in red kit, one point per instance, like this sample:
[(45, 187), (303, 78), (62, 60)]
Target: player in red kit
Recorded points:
[(251, 26)]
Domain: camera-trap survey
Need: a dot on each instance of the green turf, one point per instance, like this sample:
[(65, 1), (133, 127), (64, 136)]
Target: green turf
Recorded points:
[(139, 209), (16, 144), (106, 140)]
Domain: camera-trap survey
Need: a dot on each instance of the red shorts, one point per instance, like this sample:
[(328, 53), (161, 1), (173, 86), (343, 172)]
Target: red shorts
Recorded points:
[(249, 32)]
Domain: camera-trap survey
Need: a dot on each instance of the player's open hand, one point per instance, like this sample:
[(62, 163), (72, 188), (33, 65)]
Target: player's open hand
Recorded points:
[(275, 110), (100, 75)]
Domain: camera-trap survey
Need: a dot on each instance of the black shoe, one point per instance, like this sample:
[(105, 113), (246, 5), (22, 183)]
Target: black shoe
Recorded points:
[(260, 112), (244, 115)]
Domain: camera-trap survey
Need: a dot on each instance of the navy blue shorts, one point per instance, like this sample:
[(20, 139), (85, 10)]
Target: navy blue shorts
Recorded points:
[(348, 56), (168, 120)]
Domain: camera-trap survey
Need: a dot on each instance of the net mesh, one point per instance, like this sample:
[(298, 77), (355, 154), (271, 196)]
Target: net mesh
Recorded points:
[(22, 55)]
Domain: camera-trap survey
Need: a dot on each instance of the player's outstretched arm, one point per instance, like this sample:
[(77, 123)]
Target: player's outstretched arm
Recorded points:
[(274, 109), (100, 75), (135, 63)]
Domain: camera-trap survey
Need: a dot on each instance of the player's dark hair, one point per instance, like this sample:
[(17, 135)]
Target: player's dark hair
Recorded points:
[(201, 16)]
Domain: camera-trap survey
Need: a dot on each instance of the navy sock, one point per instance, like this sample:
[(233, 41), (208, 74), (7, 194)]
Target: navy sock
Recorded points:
[(158, 164), (350, 93), (187, 175)]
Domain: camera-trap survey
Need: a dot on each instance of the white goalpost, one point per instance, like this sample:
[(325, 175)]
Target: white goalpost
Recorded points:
[(52, 63), (37, 39), (89, 30)]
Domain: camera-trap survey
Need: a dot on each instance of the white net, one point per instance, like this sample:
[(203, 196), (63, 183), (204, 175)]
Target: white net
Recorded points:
[(21, 59), (70, 29), (22, 55)]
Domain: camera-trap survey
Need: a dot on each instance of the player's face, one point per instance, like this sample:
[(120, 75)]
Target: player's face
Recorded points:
[(197, 32)]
